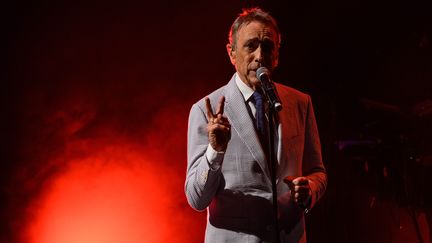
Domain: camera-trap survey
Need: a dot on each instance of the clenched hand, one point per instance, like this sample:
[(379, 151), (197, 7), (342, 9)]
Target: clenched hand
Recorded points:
[(300, 190)]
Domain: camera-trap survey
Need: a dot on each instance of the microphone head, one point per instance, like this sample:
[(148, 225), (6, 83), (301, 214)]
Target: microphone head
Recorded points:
[(262, 74)]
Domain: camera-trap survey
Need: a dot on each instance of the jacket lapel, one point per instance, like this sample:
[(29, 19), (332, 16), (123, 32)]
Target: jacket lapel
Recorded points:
[(241, 122), (288, 128)]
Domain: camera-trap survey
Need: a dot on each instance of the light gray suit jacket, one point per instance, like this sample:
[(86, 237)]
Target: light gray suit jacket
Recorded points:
[(238, 195)]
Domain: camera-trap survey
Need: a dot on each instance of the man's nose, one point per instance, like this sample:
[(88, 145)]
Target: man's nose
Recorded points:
[(259, 55)]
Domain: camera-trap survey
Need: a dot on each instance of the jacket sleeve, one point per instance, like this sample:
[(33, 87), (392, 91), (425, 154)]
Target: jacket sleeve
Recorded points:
[(202, 181), (313, 167)]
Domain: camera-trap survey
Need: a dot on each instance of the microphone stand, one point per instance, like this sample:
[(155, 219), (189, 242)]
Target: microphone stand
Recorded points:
[(272, 112)]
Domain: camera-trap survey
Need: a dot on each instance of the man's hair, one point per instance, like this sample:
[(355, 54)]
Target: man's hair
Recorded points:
[(250, 15)]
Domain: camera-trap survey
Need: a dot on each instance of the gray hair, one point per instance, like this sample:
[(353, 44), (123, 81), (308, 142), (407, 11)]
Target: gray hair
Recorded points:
[(248, 16)]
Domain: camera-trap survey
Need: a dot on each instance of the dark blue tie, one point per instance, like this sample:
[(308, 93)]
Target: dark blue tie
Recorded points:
[(259, 115)]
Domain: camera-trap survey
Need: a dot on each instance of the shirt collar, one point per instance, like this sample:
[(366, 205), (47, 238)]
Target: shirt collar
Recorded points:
[(245, 90)]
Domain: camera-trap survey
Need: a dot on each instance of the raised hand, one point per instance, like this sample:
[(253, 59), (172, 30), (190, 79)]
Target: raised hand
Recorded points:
[(218, 127)]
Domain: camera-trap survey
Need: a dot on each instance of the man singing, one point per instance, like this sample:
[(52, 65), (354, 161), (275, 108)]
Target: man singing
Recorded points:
[(229, 171)]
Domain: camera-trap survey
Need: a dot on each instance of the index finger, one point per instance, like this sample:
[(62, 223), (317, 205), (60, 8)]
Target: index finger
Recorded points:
[(209, 109), (289, 179), (220, 109), (300, 181)]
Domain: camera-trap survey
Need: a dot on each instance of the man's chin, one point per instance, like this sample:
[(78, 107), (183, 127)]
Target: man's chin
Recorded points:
[(255, 83)]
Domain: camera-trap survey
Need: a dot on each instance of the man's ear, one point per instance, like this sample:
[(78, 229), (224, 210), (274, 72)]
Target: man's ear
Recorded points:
[(231, 53), (276, 60)]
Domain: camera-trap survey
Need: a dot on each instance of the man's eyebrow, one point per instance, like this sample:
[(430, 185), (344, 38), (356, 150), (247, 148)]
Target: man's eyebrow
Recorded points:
[(255, 39)]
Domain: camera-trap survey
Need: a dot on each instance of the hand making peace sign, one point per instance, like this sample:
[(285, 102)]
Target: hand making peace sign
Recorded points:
[(218, 127)]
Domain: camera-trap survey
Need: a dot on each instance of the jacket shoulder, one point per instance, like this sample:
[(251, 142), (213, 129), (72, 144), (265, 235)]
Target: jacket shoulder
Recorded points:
[(286, 92), (213, 96)]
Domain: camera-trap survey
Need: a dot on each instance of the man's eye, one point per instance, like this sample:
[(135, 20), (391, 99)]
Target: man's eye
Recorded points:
[(250, 46), (268, 46)]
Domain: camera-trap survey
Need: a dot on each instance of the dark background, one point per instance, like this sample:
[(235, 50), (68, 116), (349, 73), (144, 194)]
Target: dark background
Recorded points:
[(76, 71)]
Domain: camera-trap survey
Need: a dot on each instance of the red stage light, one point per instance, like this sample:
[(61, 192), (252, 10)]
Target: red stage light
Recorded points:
[(115, 195)]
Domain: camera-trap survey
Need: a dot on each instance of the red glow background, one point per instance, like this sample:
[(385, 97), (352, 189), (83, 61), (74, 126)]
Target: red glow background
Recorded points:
[(98, 100), (95, 100)]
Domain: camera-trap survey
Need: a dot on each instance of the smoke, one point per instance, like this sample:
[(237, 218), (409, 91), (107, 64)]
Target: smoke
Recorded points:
[(95, 172), (117, 192)]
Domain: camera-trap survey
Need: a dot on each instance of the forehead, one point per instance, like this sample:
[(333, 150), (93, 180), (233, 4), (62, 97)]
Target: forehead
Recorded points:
[(256, 29)]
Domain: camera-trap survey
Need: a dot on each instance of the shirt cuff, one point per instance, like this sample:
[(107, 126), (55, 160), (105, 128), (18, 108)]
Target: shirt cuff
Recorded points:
[(214, 157)]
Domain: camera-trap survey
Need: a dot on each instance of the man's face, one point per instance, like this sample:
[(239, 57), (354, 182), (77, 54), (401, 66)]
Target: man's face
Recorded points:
[(256, 47)]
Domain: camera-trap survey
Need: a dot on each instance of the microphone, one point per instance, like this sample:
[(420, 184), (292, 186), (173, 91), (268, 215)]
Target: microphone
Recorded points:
[(269, 89)]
